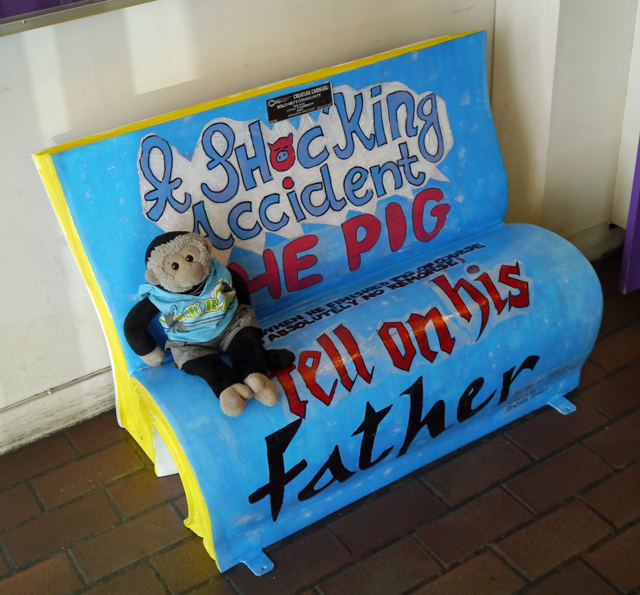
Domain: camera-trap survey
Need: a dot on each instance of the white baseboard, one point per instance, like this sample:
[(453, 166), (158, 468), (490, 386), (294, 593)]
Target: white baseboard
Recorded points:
[(47, 413), (598, 241)]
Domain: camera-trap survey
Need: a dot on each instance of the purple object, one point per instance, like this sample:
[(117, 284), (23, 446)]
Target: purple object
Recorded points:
[(24, 8), (630, 271)]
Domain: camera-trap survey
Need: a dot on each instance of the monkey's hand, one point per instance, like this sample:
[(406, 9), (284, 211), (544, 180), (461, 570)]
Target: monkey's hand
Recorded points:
[(137, 335), (155, 358)]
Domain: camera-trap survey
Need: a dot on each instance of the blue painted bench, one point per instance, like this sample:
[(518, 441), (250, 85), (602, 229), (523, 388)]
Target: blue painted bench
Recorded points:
[(364, 204)]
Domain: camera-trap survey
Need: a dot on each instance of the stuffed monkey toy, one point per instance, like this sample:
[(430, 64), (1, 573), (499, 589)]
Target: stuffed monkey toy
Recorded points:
[(205, 309)]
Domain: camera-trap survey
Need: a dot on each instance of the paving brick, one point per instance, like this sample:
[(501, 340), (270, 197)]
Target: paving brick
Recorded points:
[(618, 393), (554, 480), (566, 532), (139, 581), (4, 567), (85, 475), (472, 526), (181, 505), (54, 576), (33, 459), (186, 566), (135, 447), (618, 559), (485, 574), (476, 470), (576, 579), (144, 490), (129, 543), (389, 572), (302, 562), (619, 443), (590, 373), (618, 350), (97, 432), (550, 430), (387, 517), (618, 499), (219, 587), (17, 505), (608, 271), (60, 528), (620, 311)]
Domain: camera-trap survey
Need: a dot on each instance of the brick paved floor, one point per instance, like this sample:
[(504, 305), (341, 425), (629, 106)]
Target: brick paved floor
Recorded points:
[(547, 505)]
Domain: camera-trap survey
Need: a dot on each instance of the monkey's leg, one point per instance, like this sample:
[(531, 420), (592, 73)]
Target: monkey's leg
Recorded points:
[(249, 358), (279, 358), (224, 382)]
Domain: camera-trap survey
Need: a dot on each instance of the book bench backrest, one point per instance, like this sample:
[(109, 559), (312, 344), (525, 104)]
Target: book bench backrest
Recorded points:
[(314, 188)]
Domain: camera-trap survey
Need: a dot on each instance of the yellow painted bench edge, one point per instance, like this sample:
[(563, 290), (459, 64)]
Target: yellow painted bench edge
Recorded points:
[(137, 411)]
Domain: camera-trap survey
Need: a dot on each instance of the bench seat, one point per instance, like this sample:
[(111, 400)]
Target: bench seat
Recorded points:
[(229, 457)]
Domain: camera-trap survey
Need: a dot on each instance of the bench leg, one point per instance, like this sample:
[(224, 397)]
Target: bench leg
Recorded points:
[(259, 564), (562, 404)]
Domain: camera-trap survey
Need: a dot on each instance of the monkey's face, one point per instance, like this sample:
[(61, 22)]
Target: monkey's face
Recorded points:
[(181, 264)]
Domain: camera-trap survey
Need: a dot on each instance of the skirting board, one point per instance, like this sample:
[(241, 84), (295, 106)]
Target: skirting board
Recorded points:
[(46, 413), (598, 241)]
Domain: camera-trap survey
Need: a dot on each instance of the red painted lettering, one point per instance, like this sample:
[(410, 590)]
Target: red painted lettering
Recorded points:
[(493, 292), (519, 300), (354, 352), (396, 226), (476, 295), (400, 361), (419, 323), (355, 356), (296, 406), (292, 265), (308, 373), (355, 247), (439, 212), (270, 278)]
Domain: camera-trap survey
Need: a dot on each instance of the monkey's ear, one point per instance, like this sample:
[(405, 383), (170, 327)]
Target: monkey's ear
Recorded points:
[(207, 241), (150, 276)]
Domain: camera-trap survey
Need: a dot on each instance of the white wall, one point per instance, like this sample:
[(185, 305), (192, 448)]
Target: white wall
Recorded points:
[(561, 69), (524, 65), (630, 136), (592, 69), (65, 81)]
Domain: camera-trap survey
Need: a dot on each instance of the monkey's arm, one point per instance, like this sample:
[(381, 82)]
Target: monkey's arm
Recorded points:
[(137, 335), (241, 287)]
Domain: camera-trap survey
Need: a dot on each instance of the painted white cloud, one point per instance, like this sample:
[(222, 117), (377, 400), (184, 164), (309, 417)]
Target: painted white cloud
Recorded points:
[(365, 129)]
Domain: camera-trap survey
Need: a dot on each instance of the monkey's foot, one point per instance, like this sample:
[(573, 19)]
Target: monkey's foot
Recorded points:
[(263, 389), (277, 359), (233, 399)]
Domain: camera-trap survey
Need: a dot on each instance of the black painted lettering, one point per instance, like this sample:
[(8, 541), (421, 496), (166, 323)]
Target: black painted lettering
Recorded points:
[(277, 443), (368, 428), (434, 420)]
